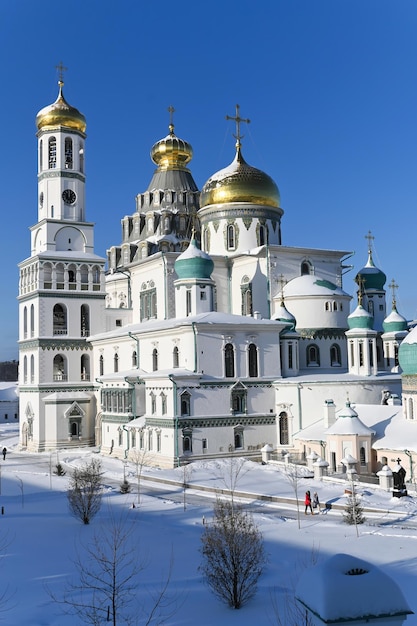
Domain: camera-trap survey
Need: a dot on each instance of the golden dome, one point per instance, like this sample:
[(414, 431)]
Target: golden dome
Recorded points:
[(60, 113), (171, 153), (240, 182)]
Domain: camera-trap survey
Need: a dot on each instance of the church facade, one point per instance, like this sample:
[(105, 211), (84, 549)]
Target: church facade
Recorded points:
[(200, 334)]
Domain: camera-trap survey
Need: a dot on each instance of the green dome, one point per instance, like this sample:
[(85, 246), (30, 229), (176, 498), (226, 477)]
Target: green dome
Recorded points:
[(394, 322), (407, 354), (194, 263), (360, 319), (370, 276)]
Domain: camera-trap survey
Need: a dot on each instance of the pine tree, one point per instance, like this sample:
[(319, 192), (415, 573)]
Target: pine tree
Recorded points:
[(353, 513)]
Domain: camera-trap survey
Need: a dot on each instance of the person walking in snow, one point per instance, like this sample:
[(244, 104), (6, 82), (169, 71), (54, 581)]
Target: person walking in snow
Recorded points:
[(4, 453), (307, 502), (316, 503)]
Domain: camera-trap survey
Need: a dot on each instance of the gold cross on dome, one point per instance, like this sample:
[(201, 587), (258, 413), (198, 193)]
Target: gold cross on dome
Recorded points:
[(282, 282), (238, 121), (393, 286), (171, 112), (61, 69), (370, 239)]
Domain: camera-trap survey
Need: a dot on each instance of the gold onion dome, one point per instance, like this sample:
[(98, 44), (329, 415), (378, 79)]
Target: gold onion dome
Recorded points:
[(60, 113), (171, 152), (240, 182)]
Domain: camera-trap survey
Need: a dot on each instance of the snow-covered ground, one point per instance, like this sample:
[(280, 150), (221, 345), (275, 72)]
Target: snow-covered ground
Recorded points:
[(42, 538)]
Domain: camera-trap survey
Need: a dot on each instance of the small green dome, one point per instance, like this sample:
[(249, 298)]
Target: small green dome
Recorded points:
[(360, 318), (194, 263), (284, 316), (370, 276), (394, 322)]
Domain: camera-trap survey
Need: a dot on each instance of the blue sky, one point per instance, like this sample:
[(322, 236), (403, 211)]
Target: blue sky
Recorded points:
[(330, 87)]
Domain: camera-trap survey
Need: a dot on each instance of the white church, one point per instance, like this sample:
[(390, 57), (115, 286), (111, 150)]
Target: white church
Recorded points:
[(200, 334)]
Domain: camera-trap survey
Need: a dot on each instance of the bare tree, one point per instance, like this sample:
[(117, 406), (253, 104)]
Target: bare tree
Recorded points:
[(288, 611), (234, 556), (230, 472), (140, 458), (294, 476), (106, 588), (85, 491), (187, 472)]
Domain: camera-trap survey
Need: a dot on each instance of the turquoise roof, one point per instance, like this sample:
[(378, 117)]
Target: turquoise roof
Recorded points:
[(394, 322), (372, 277), (194, 263), (407, 353), (360, 318)]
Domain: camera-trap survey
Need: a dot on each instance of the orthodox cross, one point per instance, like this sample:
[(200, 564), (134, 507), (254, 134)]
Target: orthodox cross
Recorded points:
[(393, 286), (370, 239), (61, 69), (360, 281), (171, 112), (238, 121), (282, 282)]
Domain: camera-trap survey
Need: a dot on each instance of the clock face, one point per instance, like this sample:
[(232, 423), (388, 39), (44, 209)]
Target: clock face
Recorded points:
[(69, 196)]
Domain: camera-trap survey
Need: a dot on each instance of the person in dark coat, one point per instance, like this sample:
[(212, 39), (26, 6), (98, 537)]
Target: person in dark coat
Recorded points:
[(4, 453), (307, 502), (316, 502)]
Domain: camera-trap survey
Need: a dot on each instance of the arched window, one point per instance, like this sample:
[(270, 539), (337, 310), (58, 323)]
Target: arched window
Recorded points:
[(74, 429), (263, 235), (59, 368), (32, 320), (52, 153), (85, 367), (81, 155), (25, 369), (175, 357), (116, 363), (163, 404), (68, 153), (253, 360), (229, 361), (153, 403), (25, 322), (231, 237), (238, 399), (410, 409), (154, 359), (85, 320), (305, 268), (32, 369), (59, 320), (283, 429), (101, 365), (41, 155), (185, 403), (313, 356), (187, 441), (361, 354), (328, 306), (334, 306), (246, 294), (238, 438), (335, 360), (362, 455), (134, 358)]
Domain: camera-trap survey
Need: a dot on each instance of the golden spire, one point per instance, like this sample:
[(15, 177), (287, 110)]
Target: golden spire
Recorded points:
[(360, 282), (238, 121), (282, 282)]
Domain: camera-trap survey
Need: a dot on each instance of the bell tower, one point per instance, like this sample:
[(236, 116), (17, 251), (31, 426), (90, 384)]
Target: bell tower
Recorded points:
[(61, 291)]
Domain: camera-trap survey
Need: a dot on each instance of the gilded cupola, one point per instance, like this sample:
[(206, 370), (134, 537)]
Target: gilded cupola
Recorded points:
[(171, 152), (240, 182), (60, 113)]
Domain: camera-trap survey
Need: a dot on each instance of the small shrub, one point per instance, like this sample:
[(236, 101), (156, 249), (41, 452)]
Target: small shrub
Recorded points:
[(125, 487)]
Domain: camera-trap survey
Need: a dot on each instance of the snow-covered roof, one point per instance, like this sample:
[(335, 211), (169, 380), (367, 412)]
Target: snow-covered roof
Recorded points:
[(213, 317), (348, 423), (310, 285), (344, 588), (8, 392)]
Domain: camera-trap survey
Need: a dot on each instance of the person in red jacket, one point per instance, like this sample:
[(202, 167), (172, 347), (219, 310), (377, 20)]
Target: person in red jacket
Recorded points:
[(307, 502)]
